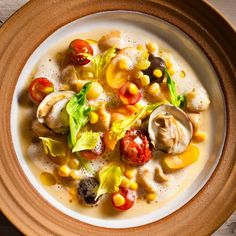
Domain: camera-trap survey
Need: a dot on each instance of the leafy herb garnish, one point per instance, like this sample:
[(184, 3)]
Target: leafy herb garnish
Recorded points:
[(176, 100)]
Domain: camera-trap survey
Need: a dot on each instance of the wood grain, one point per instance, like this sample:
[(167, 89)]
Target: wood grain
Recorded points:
[(7, 7)]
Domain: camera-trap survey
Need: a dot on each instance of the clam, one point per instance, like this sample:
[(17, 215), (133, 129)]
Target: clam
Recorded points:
[(170, 129), (51, 111)]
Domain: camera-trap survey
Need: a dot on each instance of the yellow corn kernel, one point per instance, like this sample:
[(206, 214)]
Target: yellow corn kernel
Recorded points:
[(199, 136), (154, 89), (141, 47), (138, 74), (87, 75), (133, 89), (151, 47), (139, 105), (93, 117), (168, 63), (182, 74), (130, 173), (145, 80), (171, 72), (151, 197), (143, 65), (73, 163), (64, 171), (73, 191), (125, 182), (157, 73), (123, 64), (133, 186), (95, 90), (75, 174), (118, 200)]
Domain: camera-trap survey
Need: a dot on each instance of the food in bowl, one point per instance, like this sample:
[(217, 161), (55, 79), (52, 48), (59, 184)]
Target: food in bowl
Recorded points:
[(109, 126)]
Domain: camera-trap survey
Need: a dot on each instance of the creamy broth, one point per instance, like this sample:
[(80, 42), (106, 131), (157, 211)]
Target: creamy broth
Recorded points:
[(179, 180)]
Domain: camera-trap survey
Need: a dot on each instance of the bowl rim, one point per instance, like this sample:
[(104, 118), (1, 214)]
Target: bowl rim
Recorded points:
[(209, 41)]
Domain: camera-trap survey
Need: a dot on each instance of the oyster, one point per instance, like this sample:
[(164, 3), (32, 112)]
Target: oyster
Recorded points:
[(170, 129), (51, 111)]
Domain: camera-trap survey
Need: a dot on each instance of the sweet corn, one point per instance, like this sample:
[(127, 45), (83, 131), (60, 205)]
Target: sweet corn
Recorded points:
[(93, 117), (143, 65), (133, 186), (138, 105), (157, 73), (88, 75), (125, 182), (154, 89), (64, 171), (138, 74), (133, 89), (199, 136), (118, 200), (168, 63), (123, 64), (130, 173), (141, 47), (151, 197), (73, 163), (172, 72), (75, 174), (145, 80), (182, 74), (151, 47)]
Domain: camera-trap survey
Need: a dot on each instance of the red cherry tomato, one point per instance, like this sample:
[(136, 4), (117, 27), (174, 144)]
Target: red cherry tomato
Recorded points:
[(135, 148), (94, 153), (129, 196), (78, 46), (129, 93), (40, 88)]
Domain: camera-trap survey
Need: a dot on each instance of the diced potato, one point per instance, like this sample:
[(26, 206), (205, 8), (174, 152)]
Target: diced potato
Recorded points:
[(117, 116), (182, 160), (199, 136)]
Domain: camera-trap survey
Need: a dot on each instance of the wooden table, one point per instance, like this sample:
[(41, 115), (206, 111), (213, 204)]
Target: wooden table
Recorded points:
[(226, 7)]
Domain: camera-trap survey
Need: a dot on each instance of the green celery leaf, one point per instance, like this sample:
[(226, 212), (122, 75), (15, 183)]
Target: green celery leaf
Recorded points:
[(78, 110), (119, 127), (53, 147), (101, 61), (110, 178), (87, 141), (85, 164), (176, 100)]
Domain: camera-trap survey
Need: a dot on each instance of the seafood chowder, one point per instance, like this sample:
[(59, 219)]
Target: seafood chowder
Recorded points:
[(114, 125)]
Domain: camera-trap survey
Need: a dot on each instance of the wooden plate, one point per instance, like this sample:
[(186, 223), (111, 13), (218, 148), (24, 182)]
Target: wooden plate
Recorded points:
[(19, 37)]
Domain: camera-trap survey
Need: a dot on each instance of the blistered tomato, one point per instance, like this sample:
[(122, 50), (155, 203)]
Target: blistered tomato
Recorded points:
[(129, 93), (124, 199), (77, 47), (40, 88)]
